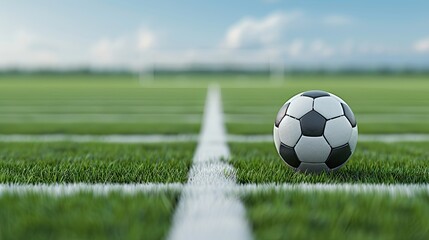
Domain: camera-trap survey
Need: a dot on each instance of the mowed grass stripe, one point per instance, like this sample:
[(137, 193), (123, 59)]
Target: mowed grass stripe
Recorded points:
[(86, 215), (67, 162), (297, 214), (371, 163)]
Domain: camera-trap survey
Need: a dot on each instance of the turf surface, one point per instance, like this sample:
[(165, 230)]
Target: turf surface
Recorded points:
[(86, 216), (382, 104), (95, 104), (298, 214), (66, 162), (121, 104), (56, 103), (371, 163)]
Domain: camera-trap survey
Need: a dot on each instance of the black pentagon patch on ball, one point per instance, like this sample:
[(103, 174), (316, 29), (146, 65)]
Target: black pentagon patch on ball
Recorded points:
[(338, 156), (281, 114), (289, 156), (312, 124), (349, 114), (315, 94)]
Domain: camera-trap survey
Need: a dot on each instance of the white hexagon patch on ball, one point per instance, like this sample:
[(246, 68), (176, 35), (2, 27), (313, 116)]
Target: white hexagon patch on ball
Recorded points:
[(315, 131)]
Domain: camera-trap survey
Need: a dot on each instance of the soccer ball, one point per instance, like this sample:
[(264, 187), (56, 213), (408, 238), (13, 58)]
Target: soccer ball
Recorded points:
[(315, 131)]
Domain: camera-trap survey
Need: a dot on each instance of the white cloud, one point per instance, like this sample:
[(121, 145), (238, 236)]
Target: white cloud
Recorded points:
[(321, 49), (26, 48), (337, 20), (24, 39), (296, 48), (251, 32), (122, 50), (248, 42), (146, 39), (422, 45), (106, 49), (354, 48), (29, 49)]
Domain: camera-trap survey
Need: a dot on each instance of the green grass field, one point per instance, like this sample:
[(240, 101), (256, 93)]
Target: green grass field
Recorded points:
[(92, 104), (382, 104), (337, 215), (95, 104), (94, 162), (372, 163), (86, 216), (103, 104)]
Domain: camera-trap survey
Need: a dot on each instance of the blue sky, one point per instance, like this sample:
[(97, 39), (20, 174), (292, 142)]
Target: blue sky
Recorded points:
[(48, 33)]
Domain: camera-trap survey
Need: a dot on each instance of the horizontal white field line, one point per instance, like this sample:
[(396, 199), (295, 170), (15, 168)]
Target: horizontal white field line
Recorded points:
[(100, 138), (394, 137), (160, 138), (101, 102), (258, 118), (238, 108), (99, 108), (100, 118), (387, 138), (394, 189), (100, 188)]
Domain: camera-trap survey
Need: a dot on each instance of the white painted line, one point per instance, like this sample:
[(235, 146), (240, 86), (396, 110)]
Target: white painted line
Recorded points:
[(206, 209), (370, 188), (386, 138), (250, 138), (100, 118), (100, 138), (263, 118), (235, 190), (159, 138), (99, 188), (71, 108), (392, 138)]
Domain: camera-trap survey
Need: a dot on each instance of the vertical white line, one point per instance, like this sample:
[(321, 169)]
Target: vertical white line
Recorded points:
[(208, 208)]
